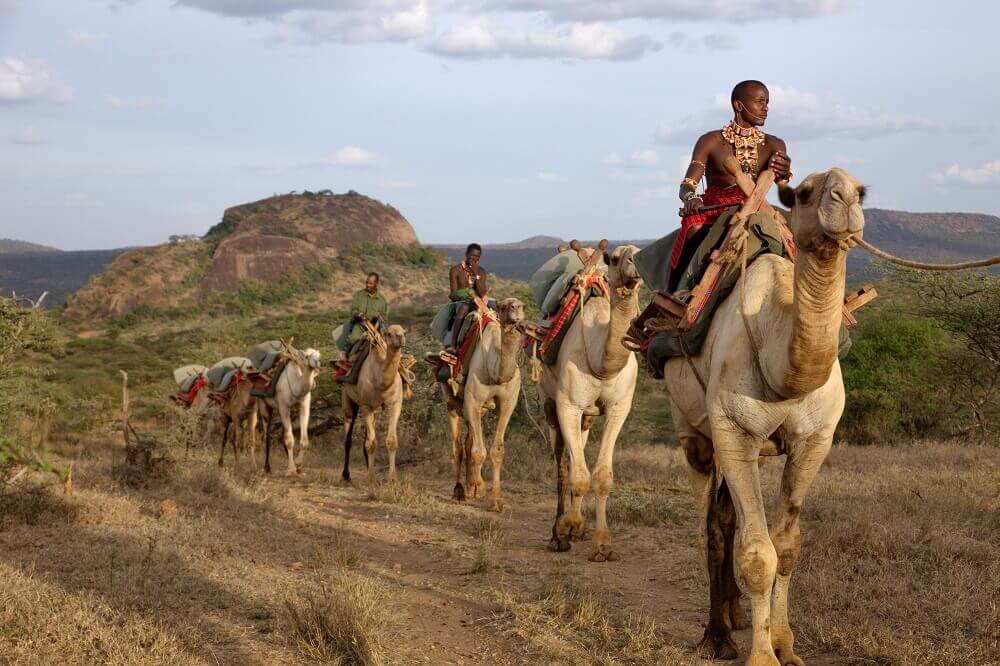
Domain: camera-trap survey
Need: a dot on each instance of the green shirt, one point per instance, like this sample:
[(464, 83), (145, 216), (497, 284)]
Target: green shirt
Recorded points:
[(372, 306)]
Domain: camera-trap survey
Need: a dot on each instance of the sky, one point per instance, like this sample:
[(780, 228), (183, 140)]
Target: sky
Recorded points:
[(123, 122)]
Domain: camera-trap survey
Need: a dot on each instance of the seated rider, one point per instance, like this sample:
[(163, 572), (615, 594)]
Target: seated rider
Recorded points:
[(466, 280), (754, 150), (367, 305)]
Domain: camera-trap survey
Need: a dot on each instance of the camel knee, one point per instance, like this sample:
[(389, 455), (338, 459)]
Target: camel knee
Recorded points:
[(757, 562), (478, 456), (580, 482), (603, 478), (788, 545), (698, 452)]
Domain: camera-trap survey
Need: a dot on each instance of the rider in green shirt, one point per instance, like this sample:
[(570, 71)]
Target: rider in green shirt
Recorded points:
[(366, 305)]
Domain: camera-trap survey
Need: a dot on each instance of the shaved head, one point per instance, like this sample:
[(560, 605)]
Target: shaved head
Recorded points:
[(743, 89)]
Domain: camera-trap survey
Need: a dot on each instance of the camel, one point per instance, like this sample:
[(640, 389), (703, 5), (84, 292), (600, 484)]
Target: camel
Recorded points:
[(772, 386), (379, 387), (233, 411), (493, 381), (593, 374), (294, 387)]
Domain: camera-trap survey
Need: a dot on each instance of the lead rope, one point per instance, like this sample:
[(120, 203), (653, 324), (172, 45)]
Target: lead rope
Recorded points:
[(919, 265)]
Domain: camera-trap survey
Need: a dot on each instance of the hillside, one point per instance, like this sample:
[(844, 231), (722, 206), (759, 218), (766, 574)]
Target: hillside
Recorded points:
[(9, 245), (293, 251)]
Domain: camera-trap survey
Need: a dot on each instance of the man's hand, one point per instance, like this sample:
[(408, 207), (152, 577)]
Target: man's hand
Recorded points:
[(692, 206), (781, 165)]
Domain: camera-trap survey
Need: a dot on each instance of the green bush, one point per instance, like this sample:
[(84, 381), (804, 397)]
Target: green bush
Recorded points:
[(892, 377)]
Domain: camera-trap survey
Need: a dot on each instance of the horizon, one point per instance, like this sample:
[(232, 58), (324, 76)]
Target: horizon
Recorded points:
[(128, 121)]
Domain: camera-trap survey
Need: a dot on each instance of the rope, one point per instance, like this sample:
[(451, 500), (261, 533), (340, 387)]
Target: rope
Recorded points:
[(909, 263)]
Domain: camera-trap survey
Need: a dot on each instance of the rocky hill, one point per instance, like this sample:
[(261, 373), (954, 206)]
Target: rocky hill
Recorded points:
[(9, 245), (309, 245)]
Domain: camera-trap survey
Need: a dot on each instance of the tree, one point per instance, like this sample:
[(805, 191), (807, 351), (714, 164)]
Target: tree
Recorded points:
[(967, 306)]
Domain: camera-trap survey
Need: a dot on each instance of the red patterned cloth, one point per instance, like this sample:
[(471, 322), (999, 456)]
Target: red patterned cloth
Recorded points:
[(598, 281), (198, 385), (713, 196), (469, 341)]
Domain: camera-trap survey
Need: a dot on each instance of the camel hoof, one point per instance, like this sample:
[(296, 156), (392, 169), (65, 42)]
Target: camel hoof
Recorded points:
[(790, 660), (458, 494), (604, 556), (557, 545), (718, 647), (496, 505), (267, 469), (762, 660), (345, 477), (476, 490), (577, 533)]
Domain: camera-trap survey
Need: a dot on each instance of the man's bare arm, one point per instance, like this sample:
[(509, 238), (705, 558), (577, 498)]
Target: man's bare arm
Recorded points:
[(481, 287), (780, 163), (695, 172), (453, 276)]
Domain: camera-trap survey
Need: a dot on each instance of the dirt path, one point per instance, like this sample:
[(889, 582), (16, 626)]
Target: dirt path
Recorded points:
[(421, 546)]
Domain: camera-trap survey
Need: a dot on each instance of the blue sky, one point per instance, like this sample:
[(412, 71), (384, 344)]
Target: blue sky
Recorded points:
[(123, 122)]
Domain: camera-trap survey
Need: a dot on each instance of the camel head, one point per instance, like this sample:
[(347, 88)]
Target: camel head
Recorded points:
[(622, 272), (826, 210), (511, 311), (306, 360), (395, 336)]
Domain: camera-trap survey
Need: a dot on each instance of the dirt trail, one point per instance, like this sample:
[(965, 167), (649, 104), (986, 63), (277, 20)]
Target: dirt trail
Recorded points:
[(445, 614)]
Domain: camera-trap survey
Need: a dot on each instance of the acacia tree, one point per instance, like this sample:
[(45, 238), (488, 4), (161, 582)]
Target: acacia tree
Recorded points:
[(24, 330), (968, 307)]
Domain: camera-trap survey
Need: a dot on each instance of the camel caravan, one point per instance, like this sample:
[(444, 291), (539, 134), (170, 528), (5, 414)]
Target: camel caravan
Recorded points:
[(745, 325)]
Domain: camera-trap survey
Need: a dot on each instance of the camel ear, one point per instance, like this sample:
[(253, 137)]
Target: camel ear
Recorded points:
[(607, 259), (786, 195)]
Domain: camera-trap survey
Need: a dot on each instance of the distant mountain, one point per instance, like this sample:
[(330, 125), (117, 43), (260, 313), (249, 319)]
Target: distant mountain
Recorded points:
[(59, 273), (9, 245), (943, 237)]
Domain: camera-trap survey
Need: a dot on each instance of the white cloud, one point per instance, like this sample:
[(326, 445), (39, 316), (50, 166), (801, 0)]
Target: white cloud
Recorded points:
[(550, 177), (82, 37), (352, 156), (796, 114), (28, 136), (987, 173), (720, 42), (23, 81), (319, 21), (587, 41), (734, 11), (637, 158), (399, 184), (8, 5), (135, 103)]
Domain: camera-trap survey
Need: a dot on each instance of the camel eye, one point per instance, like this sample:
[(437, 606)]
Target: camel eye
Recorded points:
[(803, 195)]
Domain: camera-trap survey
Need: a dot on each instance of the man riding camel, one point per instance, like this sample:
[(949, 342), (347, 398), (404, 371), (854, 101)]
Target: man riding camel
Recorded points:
[(755, 151), (467, 279), (367, 305)]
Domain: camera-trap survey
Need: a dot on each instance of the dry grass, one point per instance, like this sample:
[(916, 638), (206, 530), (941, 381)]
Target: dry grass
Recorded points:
[(567, 625), (491, 537), (899, 562), (344, 624)]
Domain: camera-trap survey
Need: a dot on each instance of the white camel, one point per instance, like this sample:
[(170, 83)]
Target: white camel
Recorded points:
[(594, 374), (493, 381), (772, 385), (294, 387)]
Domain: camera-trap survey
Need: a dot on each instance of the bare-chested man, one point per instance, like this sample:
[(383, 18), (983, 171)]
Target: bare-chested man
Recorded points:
[(755, 152), (466, 279)]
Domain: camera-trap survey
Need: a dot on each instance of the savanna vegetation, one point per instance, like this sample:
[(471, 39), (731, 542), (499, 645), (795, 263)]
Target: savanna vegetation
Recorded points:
[(196, 564)]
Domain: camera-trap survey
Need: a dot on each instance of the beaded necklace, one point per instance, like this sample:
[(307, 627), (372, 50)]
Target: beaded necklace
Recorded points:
[(745, 142)]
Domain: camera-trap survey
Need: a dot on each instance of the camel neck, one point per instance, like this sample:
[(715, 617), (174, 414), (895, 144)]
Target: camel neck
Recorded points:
[(818, 289), (390, 366), (510, 344), (624, 308)]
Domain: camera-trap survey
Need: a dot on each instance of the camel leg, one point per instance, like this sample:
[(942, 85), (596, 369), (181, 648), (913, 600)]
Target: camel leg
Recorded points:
[(467, 458), (237, 442), (572, 525), (801, 467), (496, 452), (252, 436), (756, 561), (392, 436), (350, 412), (603, 478), (475, 485), (287, 436), (368, 416), (268, 418), (557, 544), (225, 440), (457, 452), (304, 407), (717, 642)]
